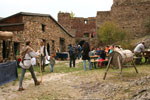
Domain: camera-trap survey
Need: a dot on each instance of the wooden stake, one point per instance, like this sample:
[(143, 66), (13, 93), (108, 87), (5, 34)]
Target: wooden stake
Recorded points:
[(120, 67), (108, 66), (134, 66)]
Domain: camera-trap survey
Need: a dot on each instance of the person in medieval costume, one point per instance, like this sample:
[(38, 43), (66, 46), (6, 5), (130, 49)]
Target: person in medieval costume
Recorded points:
[(26, 55), (44, 54)]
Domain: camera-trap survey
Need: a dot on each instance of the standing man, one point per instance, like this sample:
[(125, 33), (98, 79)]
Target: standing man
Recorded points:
[(72, 54), (44, 54), (138, 50), (27, 53)]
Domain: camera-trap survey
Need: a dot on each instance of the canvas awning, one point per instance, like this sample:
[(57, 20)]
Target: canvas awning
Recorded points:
[(5, 35)]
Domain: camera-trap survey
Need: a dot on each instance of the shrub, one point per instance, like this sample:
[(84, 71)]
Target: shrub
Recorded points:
[(109, 33)]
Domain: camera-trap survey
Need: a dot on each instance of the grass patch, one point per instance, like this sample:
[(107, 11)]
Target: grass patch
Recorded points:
[(63, 67), (60, 67), (114, 74)]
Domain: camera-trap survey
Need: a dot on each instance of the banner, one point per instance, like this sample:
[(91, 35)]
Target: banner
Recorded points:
[(8, 72)]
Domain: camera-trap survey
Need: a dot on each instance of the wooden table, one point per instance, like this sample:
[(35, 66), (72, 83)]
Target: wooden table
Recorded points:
[(94, 60)]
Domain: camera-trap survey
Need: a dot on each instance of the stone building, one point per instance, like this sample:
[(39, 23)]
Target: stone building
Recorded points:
[(83, 29), (32, 26)]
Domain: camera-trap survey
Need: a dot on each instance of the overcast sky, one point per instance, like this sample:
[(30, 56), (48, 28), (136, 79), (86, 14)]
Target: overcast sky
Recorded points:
[(81, 8)]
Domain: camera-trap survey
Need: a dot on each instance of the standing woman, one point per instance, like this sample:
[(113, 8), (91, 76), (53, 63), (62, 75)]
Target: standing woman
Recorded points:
[(27, 53), (85, 55)]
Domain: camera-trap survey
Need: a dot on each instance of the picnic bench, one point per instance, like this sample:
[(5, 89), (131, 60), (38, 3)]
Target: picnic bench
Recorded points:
[(95, 61)]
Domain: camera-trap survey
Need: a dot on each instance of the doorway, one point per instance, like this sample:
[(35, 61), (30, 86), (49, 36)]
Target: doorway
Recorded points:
[(6, 49), (48, 49), (16, 49), (62, 45)]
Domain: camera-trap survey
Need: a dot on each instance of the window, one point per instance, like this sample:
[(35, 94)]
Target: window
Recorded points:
[(85, 21), (43, 27), (86, 35), (92, 35)]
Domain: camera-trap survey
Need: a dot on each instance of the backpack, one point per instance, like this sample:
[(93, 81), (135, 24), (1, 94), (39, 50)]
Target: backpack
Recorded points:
[(72, 51)]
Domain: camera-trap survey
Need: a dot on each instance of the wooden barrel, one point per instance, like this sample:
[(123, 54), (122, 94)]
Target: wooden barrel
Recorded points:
[(124, 56), (5, 35)]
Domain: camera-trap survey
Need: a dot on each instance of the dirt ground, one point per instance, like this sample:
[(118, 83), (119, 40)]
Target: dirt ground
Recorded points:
[(81, 85)]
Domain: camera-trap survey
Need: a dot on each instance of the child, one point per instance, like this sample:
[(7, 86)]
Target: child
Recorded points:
[(102, 57), (52, 62)]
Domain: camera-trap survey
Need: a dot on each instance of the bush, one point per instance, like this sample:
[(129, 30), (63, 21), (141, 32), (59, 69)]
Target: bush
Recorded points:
[(109, 33)]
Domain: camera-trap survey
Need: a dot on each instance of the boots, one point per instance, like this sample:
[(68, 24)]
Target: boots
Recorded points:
[(20, 89), (37, 83)]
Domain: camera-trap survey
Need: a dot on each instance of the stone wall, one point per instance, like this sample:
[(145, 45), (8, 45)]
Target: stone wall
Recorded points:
[(77, 26), (33, 28), (126, 2), (134, 18), (65, 20), (102, 16)]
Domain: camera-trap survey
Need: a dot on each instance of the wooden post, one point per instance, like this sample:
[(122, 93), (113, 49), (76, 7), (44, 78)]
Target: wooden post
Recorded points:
[(11, 50), (108, 66), (120, 67)]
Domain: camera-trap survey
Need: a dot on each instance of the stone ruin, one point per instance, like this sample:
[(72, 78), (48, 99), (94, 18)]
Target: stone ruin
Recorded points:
[(133, 16)]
